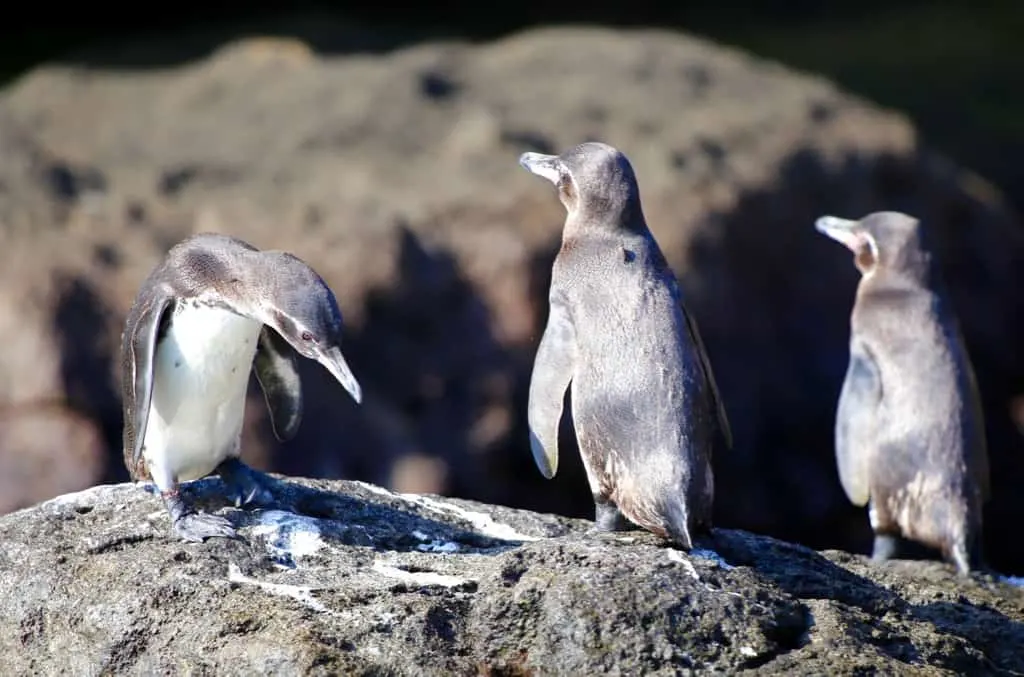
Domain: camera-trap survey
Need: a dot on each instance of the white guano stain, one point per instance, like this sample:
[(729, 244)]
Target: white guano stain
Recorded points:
[(288, 533), (482, 522), (419, 578), (300, 593)]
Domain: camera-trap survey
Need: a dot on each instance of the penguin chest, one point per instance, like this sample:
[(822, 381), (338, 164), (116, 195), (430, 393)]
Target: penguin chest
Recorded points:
[(200, 376)]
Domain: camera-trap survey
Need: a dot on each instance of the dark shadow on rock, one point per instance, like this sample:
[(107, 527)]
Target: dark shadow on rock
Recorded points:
[(773, 297), (801, 572), (80, 322), (434, 380), (998, 638), (808, 575), (353, 519)]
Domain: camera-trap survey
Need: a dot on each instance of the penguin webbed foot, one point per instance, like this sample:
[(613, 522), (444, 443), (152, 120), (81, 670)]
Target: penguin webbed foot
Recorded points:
[(199, 526), (608, 517), (245, 485), (190, 525), (886, 547)]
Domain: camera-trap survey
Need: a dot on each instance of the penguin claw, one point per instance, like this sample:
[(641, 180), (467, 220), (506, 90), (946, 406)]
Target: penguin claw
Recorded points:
[(197, 527), (244, 484), (253, 495)]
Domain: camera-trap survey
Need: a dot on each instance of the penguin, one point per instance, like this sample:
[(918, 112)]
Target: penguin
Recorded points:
[(645, 406), (909, 433), (215, 308)]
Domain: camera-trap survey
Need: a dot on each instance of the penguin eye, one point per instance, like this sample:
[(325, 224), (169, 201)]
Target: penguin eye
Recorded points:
[(566, 188), (306, 336)]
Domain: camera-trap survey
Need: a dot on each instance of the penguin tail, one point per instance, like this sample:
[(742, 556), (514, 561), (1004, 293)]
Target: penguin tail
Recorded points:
[(677, 525)]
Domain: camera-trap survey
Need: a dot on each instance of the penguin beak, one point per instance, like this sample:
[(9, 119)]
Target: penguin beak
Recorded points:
[(844, 231), (548, 166), (332, 360)]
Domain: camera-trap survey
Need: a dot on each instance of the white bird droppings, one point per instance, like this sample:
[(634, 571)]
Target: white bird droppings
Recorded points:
[(434, 544), (300, 593), (482, 522), (679, 557), (288, 534), (421, 578)]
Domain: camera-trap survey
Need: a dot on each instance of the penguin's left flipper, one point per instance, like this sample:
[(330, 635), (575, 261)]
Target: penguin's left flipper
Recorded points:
[(724, 428), (277, 371)]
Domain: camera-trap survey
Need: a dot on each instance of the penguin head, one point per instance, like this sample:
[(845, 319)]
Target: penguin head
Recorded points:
[(301, 308), (888, 240), (594, 181)]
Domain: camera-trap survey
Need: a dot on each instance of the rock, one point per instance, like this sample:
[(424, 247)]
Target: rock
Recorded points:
[(392, 170), (361, 580)]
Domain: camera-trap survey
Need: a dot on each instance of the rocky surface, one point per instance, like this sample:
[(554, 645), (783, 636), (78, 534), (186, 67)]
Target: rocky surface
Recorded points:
[(362, 581), (392, 170)]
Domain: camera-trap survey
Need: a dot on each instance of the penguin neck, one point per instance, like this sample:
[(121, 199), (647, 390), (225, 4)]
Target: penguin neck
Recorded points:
[(234, 297), (910, 266), (606, 218)]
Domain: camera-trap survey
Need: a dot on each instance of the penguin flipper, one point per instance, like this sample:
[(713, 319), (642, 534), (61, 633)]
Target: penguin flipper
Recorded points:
[(552, 372), (277, 370), (978, 463), (858, 401), (709, 376), (140, 345)]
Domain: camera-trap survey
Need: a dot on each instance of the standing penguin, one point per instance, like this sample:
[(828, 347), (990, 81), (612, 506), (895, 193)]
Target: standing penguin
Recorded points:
[(213, 309), (910, 438), (645, 406)]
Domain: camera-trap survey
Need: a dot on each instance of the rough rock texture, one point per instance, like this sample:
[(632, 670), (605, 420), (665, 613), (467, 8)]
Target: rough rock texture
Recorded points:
[(393, 172), (363, 581)]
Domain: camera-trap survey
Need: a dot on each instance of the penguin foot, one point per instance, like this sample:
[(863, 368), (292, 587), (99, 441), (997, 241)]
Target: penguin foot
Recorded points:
[(245, 485), (608, 517), (190, 525), (885, 548), (198, 526)]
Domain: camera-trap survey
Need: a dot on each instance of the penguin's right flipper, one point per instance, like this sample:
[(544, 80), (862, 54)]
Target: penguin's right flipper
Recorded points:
[(277, 370), (709, 376), (855, 416), (552, 372)]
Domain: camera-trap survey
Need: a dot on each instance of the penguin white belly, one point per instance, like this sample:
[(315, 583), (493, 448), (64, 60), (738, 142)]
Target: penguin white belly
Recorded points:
[(201, 372)]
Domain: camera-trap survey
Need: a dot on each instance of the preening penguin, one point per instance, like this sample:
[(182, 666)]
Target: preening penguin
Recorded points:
[(213, 309), (909, 436), (645, 406)]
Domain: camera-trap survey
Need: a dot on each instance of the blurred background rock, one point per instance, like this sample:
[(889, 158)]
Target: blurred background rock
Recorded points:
[(380, 145)]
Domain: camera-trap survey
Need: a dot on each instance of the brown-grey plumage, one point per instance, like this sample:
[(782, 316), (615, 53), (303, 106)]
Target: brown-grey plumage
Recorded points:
[(645, 405), (211, 310), (910, 438)]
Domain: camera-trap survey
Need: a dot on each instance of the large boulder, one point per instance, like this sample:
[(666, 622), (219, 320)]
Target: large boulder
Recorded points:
[(393, 172), (359, 580)]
